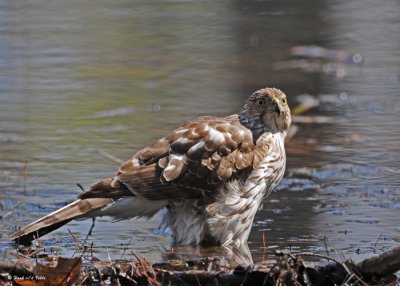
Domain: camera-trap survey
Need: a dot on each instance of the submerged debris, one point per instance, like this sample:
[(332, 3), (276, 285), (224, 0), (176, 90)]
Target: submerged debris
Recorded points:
[(316, 52), (318, 59), (287, 269)]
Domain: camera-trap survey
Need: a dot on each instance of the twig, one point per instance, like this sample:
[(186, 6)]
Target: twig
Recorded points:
[(245, 278), (197, 278), (146, 267), (80, 187), (264, 245), (108, 254), (123, 252), (350, 271), (348, 279), (90, 230), (37, 244), (74, 238), (68, 276), (264, 240), (111, 157), (83, 280), (376, 243), (326, 245)]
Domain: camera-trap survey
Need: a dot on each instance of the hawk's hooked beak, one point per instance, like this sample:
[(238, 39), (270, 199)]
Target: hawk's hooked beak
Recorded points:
[(277, 107)]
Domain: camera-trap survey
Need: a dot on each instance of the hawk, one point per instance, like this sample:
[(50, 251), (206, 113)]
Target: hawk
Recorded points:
[(210, 174)]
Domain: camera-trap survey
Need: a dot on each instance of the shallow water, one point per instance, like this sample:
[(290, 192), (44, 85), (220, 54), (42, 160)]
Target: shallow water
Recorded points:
[(80, 80)]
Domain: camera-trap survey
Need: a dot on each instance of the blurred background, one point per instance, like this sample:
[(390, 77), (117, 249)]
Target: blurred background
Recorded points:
[(81, 81)]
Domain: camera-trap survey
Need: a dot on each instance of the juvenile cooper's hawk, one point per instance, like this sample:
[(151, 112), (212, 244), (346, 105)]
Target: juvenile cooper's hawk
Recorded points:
[(211, 174)]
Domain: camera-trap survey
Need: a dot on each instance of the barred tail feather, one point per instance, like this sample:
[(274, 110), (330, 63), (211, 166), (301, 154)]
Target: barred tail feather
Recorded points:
[(56, 219)]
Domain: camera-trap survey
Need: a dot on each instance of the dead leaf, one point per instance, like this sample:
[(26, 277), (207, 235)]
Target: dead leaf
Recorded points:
[(65, 272)]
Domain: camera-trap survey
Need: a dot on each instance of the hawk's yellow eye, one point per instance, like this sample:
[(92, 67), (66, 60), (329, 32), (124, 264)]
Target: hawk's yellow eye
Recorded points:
[(261, 102), (284, 100)]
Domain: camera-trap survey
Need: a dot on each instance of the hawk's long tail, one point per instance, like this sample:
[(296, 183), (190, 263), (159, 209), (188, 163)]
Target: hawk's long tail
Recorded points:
[(58, 218), (88, 204)]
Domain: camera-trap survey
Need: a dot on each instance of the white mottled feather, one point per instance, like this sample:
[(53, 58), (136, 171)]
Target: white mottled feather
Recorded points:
[(187, 222), (231, 216), (216, 136), (129, 207)]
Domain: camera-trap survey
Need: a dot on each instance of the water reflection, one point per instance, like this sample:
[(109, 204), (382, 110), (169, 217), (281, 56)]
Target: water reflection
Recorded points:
[(230, 255), (80, 80)]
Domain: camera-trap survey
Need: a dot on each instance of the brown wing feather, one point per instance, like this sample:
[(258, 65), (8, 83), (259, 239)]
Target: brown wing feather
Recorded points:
[(192, 160), (187, 163)]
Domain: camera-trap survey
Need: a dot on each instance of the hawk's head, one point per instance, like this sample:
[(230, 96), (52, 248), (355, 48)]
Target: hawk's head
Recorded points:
[(268, 106)]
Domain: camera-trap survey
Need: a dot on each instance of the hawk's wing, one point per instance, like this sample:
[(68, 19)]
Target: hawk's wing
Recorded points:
[(193, 160)]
